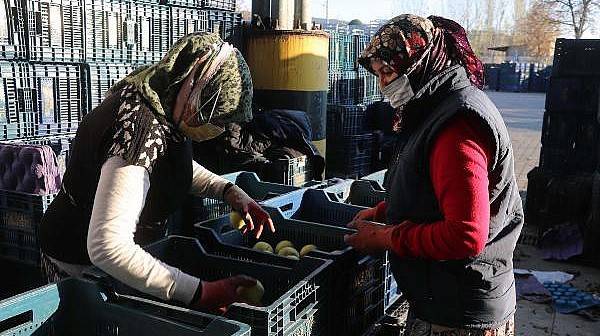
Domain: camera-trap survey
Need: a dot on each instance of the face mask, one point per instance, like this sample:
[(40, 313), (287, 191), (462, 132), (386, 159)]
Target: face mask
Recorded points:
[(201, 133), (399, 92), (201, 129)]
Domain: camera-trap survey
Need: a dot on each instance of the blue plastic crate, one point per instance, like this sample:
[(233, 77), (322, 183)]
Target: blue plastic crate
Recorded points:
[(13, 44), (313, 205), (17, 111), (56, 309), (185, 21), (350, 277), (60, 91), (290, 302), (226, 24), (350, 156), (225, 5), (209, 208), (346, 120), (363, 193), (378, 177), (121, 31), (55, 30), (101, 77)]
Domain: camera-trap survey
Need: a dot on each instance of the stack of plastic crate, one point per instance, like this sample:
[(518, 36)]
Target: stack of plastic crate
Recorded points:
[(566, 185), (350, 145), (349, 83)]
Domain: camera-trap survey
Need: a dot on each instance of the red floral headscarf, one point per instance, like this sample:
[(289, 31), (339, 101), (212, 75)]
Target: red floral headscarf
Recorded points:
[(427, 45)]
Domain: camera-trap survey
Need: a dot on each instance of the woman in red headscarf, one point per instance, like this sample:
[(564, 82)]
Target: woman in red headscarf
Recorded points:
[(452, 210)]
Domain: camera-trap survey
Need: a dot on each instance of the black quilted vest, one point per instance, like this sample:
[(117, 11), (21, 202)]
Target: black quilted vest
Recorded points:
[(64, 228), (477, 292)]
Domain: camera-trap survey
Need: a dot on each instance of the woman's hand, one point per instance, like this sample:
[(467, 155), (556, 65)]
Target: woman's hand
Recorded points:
[(217, 295), (366, 214), (370, 237), (254, 215)]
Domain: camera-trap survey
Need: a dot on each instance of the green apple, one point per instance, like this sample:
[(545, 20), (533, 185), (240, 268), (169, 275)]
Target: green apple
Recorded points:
[(288, 251), (236, 220), (283, 244), (263, 246), (251, 295), (307, 249)]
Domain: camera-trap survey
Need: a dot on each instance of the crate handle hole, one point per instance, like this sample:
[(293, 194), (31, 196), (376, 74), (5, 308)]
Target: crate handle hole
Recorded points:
[(286, 207), (16, 321)]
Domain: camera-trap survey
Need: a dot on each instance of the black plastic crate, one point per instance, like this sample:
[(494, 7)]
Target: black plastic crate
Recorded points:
[(56, 309), (561, 161), (343, 120), (13, 44), (574, 95), (20, 216), (492, 76), (55, 30), (101, 77), (576, 58), (350, 279), (60, 144), (570, 131), (185, 21), (355, 278), (555, 199), (350, 156), (23, 277), (226, 24), (60, 91), (17, 116), (120, 31), (292, 172), (290, 302)]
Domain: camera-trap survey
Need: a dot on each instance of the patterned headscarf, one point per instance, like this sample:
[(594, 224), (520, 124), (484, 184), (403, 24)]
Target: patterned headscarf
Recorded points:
[(160, 83), (427, 46)]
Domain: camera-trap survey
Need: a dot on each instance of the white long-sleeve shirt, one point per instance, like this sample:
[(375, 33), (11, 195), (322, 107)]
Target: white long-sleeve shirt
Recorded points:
[(120, 198)]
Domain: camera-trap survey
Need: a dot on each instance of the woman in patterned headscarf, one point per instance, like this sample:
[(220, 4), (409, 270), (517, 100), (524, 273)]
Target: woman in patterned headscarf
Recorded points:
[(453, 208), (131, 166)]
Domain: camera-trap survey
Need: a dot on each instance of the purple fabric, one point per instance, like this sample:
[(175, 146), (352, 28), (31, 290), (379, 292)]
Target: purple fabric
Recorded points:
[(562, 242), (30, 169), (529, 288)]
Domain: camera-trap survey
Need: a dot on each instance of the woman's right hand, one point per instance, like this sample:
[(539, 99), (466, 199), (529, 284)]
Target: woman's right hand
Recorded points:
[(217, 295), (366, 214)]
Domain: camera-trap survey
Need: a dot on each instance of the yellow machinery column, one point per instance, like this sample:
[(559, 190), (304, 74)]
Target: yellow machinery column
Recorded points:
[(289, 71)]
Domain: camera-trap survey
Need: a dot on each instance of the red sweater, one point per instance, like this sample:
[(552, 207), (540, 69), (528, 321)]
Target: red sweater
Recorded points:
[(459, 172)]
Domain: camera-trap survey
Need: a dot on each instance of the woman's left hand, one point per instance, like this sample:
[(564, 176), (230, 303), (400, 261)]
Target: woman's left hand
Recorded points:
[(370, 237), (254, 215)]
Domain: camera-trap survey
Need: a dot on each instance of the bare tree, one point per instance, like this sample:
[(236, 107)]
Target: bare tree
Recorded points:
[(536, 31), (574, 14)]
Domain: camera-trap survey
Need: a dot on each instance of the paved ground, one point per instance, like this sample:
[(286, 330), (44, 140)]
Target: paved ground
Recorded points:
[(523, 114), (534, 319)]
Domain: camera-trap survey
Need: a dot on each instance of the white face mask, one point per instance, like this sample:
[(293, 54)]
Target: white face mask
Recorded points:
[(399, 92)]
